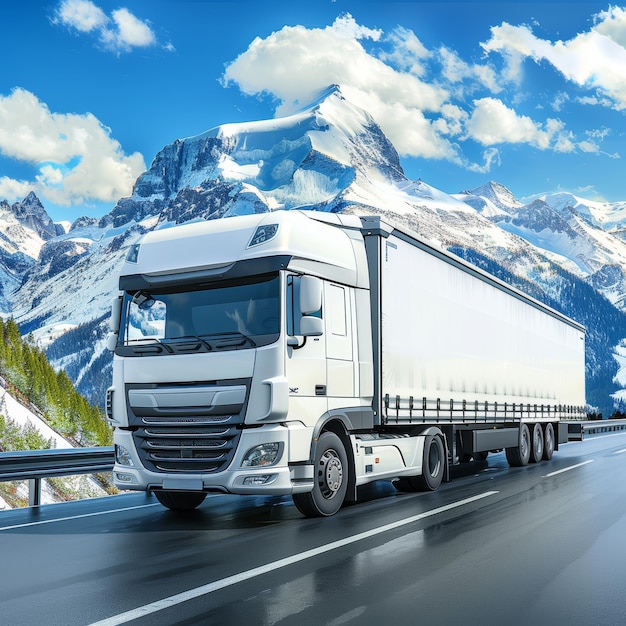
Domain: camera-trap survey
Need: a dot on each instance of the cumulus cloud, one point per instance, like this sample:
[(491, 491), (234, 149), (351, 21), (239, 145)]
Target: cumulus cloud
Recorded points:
[(492, 123), (294, 63), (428, 102), (595, 59), (121, 32), (74, 158)]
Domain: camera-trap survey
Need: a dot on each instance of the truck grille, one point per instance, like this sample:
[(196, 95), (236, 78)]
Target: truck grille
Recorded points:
[(173, 433)]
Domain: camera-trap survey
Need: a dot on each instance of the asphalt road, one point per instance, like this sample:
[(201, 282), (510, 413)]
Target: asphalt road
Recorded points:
[(542, 544)]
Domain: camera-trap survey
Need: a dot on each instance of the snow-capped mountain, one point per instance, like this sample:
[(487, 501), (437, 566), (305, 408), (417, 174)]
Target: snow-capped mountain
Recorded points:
[(24, 228), (565, 235), (611, 216), (330, 156)]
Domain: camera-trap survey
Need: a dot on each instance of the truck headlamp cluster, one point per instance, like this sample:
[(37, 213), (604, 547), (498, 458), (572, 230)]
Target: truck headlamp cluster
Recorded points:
[(263, 455), (122, 456), (263, 234)]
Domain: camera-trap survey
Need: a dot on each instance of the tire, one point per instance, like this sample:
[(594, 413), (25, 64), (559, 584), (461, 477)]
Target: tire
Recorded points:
[(331, 479), (481, 456), (180, 500), (536, 444), (548, 442), (520, 454), (433, 465)]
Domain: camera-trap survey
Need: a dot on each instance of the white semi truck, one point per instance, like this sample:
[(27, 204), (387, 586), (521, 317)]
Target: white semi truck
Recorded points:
[(306, 353)]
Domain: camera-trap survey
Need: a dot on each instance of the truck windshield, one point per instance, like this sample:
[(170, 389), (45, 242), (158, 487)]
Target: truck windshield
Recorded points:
[(221, 315)]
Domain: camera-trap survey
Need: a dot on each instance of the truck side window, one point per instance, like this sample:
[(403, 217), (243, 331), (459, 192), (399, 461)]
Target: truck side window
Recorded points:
[(337, 304)]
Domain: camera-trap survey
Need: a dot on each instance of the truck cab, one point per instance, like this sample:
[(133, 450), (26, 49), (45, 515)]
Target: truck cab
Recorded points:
[(235, 344)]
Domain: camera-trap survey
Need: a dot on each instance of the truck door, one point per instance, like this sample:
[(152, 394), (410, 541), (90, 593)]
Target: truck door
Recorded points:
[(306, 364)]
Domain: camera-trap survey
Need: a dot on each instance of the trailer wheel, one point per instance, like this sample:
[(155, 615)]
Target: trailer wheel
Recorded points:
[(520, 454), (548, 442), (536, 448), (481, 456), (331, 479), (433, 465), (180, 500)]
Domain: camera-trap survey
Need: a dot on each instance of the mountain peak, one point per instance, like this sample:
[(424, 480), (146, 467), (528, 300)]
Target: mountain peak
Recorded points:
[(501, 196), (313, 158), (30, 213)]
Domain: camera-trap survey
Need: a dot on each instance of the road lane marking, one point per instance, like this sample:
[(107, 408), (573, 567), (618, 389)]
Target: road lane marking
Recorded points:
[(179, 598), (620, 451), (71, 517), (567, 469)]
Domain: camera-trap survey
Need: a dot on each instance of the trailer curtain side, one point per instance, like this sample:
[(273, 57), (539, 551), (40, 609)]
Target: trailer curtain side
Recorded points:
[(457, 345)]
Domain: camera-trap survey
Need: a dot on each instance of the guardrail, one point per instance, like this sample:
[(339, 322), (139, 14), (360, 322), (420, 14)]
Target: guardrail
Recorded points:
[(577, 430), (33, 465)]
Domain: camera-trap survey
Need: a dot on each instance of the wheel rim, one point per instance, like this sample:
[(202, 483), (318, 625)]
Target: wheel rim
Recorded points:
[(330, 474), (537, 443), (434, 459), (524, 445)]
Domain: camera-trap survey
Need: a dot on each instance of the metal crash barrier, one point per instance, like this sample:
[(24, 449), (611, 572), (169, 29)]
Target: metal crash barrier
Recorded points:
[(33, 465), (576, 431)]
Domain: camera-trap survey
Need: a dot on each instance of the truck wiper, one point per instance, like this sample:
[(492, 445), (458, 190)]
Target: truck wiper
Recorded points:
[(151, 346), (230, 339), (189, 343)]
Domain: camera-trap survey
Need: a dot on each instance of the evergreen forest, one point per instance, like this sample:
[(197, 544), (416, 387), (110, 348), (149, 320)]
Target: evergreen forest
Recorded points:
[(28, 376)]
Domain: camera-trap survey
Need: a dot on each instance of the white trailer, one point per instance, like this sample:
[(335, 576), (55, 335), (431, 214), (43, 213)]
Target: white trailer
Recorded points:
[(306, 353)]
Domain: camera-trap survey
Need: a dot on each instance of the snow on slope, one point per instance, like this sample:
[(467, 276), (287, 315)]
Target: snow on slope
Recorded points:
[(610, 216), (330, 156), (566, 237), (11, 409), (83, 290)]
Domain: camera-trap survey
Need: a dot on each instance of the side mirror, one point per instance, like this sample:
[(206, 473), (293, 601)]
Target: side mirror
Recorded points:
[(310, 295), (112, 342), (310, 303), (114, 323), (311, 326), (116, 315)]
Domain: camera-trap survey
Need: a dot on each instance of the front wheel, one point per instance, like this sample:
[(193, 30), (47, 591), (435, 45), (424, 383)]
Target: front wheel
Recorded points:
[(180, 500), (330, 480)]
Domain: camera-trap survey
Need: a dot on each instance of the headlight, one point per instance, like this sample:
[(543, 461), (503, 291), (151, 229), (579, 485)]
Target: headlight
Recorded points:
[(263, 455), (122, 456)]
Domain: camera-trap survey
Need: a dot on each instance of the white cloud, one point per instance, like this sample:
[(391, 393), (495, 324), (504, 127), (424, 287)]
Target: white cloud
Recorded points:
[(74, 158), (121, 32), (293, 64), (492, 123), (82, 15), (420, 97), (595, 59), (407, 53), (456, 71), (130, 31)]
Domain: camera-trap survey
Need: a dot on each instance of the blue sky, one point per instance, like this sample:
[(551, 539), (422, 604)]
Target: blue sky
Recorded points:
[(530, 94)]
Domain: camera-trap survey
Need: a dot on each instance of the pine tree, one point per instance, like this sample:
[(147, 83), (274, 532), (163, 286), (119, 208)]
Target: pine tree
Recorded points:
[(28, 375)]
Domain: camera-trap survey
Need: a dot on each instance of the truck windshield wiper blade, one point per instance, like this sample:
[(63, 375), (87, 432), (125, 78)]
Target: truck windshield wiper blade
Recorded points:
[(230, 339), (150, 346), (189, 343)]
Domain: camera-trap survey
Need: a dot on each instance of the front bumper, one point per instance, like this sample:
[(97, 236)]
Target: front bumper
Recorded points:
[(281, 478)]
